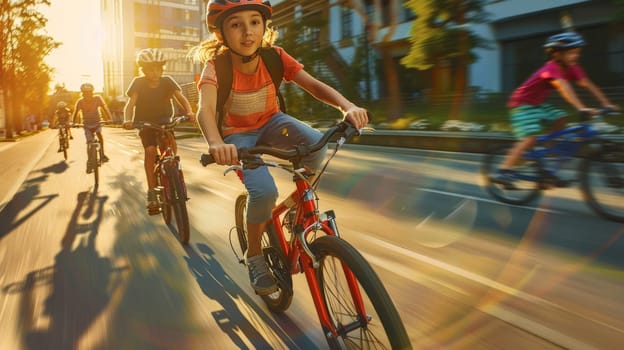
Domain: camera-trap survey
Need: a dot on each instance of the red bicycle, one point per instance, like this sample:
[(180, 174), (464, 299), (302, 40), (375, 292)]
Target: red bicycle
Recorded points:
[(352, 304), (171, 188)]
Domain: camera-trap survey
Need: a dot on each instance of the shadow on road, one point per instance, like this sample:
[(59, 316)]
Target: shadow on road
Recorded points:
[(217, 285), (24, 205), (80, 284)]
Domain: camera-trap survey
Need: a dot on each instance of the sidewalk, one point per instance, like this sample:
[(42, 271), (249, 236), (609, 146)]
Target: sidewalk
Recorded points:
[(17, 159)]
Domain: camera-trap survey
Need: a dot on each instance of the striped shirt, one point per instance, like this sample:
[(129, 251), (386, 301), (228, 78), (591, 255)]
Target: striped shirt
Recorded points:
[(90, 108)]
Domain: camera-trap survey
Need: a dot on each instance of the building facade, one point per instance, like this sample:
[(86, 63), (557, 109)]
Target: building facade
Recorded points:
[(516, 31), (173, 26)]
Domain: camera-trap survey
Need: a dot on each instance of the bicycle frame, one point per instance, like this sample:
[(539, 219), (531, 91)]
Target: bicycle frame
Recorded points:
[(165, 155), (567, 144), (307, 221)]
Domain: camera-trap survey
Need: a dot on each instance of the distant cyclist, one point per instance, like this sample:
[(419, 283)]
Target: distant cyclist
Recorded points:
[(151, 100), (61, 119), (91, 107), (530, 116)]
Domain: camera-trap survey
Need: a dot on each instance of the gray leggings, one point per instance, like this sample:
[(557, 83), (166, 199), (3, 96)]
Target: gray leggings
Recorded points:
[(281, 131)]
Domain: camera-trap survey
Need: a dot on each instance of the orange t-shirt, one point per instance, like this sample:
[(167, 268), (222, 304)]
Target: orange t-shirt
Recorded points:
[(253, 99)]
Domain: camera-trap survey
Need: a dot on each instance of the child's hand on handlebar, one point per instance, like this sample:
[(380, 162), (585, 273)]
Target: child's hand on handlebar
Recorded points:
[(128, 125), (357, 116), (224, 154)]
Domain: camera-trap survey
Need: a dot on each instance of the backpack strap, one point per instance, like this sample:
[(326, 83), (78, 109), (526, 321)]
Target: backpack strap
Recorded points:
[(224, 69), (273, 62)]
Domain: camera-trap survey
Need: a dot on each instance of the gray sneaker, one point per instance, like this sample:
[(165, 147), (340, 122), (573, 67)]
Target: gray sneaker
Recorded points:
[(260, 277), (153, 207)]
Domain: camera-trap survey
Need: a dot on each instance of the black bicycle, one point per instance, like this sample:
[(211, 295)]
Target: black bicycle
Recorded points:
[(600, 170), (94, 155), (63, 136), (171, 188)]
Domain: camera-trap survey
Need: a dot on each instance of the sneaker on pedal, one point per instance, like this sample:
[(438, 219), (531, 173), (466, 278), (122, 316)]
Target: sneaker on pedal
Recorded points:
[(153, 207), (504, 177), (104, 158), (261, 279)]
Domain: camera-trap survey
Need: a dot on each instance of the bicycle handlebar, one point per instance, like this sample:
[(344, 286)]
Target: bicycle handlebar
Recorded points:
[(167, 126), (343, 128), (587, 115)]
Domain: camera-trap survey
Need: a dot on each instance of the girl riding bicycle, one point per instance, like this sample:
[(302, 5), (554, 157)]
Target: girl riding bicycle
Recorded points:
[(252, 115), (528, 112)]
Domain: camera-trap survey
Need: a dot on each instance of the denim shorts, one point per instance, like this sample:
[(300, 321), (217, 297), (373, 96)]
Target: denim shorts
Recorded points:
[(281, 131)]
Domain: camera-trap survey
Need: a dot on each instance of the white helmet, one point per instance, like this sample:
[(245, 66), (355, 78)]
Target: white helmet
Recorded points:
[(61, 104), (147, 56)]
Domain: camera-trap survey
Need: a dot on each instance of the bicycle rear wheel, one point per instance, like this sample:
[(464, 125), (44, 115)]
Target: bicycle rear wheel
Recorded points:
[(527, 184), (177, 199), (281, 299), (381, 327), (602, 181)]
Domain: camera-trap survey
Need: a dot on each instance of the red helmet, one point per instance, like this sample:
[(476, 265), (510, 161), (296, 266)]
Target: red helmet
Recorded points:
[(218, 10)]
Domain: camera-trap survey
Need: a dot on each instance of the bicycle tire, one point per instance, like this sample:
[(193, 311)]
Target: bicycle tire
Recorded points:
[(93, 161), (280, 300), (165, 207), (525, 192), (385, 329), (602, 181), (177, 198)]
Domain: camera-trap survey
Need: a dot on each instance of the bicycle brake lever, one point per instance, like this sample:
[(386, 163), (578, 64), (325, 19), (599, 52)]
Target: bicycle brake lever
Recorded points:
[(232, 168)]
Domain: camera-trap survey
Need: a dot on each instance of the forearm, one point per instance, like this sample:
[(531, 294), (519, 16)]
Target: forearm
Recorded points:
[(208, 126), (568, 94), (604, 101), (330, 96)]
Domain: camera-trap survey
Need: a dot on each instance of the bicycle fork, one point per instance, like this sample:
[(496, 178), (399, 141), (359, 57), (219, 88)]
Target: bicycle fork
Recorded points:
[(332, 333)]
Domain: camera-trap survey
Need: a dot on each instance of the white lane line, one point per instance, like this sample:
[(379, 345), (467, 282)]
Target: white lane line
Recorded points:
[(217, 193), (451, 194), (508, 316)]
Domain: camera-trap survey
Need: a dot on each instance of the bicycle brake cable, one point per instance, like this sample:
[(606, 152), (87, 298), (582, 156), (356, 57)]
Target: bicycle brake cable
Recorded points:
[(316, 182)]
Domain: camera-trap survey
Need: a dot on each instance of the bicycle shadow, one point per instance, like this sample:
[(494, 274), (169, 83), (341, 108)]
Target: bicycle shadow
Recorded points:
[(17, 210), (56, 168), (217, 285), (80, 285)]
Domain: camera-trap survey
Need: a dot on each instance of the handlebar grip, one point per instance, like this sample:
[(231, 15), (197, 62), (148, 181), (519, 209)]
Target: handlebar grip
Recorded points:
[(206, 159)]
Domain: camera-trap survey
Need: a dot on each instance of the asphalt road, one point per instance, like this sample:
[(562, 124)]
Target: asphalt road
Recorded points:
[(86, 268)]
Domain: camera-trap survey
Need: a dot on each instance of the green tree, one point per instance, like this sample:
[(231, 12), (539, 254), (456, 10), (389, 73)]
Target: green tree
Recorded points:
[(441, 40), (300, 38), (24, 77)]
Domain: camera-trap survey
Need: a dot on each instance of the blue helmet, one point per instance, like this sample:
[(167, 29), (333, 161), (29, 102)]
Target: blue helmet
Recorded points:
[(566, 40)]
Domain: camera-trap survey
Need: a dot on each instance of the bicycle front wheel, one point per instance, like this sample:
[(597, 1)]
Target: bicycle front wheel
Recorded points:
[(165, 207), (177, 199), (526, 185), (602, 181), (381, 326), (93, 163)]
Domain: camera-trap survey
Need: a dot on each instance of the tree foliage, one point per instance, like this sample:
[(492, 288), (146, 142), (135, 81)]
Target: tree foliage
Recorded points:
[(300, 38), (24, 76), (441, 32)]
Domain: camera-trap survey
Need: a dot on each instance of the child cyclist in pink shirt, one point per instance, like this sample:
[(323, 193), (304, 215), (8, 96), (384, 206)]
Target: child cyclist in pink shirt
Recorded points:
[(528, 112), (252, 114)]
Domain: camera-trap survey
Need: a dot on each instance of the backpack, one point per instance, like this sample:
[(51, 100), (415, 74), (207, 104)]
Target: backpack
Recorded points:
[(223, 66)]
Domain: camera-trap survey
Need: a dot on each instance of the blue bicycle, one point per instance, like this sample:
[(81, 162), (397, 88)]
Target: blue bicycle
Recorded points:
[(600, 169)]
